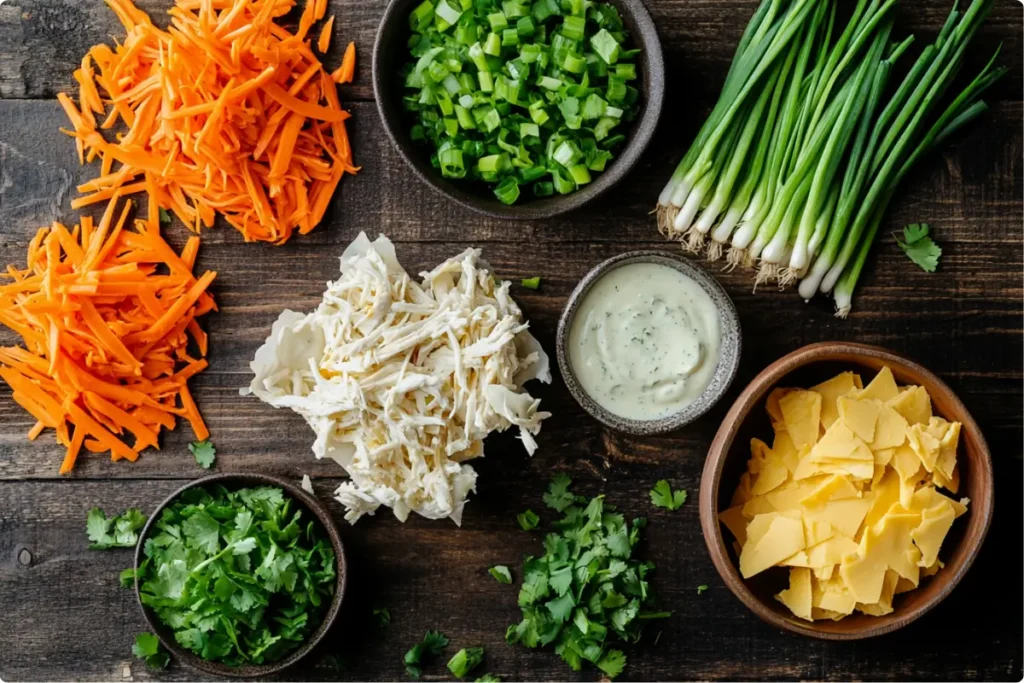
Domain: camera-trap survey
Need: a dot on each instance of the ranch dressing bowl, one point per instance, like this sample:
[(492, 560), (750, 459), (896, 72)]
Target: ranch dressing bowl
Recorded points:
[(648, 342)]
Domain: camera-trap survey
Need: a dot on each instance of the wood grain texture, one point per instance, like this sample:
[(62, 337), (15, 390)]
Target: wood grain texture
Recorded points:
[(62, 615)]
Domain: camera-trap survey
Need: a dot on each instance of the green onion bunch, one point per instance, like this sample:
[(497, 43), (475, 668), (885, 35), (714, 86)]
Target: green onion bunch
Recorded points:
[(515, 94), (798, 160)]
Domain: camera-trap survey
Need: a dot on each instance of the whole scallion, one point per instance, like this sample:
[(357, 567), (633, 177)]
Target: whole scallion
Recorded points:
[(799, 159), (527, 97)]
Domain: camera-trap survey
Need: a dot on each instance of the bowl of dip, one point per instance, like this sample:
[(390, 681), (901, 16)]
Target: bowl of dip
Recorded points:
[(648, 342)]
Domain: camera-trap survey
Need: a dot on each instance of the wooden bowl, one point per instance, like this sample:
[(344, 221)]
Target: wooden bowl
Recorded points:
[(318, 512), (390, 53), (729, 453)]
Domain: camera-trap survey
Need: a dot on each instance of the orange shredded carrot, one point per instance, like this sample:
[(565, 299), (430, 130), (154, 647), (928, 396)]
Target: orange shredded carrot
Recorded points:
[(347, 71), (226, 112), (324, 41), (105, 336)]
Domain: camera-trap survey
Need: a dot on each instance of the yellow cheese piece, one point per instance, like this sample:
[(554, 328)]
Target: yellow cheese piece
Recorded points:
[(757, 506), (783, 538), (925, 444), (817, 531), (826, 554), (884, 546), (833, 595), (844, 515), (772, 406), (824, 573), (819, 614), (914, 404), (801, 413), (830, 391), (798, 596), (908, 466), (928, 536), (881, 388), (786, 450), (773, 474), (788, 496), (884, 495), (735, 522), (884, 604), (859, 416), (836, 487), (890, 431), (926, 498), (930, 571), (742, 493), (759, 455), (759, 525), (946, 462), (883, 456)]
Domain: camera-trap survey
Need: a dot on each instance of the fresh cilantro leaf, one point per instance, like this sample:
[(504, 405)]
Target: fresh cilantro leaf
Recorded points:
[(127, 577), (558, 496), (202, 532), (701, 588), (663, 496), (431, 646), (465, 660), (561, 607), (382, 617), (204, 453), (528, 520), (165, 217), (612, 663), (501, 573), (919, 247), (531, 283), (120, 531), (489, 678), (147, 646)]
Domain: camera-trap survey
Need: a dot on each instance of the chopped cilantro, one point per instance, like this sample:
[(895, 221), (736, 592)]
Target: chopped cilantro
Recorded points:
[(165, 217), (127, 577), (919, 247), (587, 590), (121, 531), (204, 453), (382, 617), (239, 576), (701, 588), (501, 573), (528, 520), (663, 496), (147, 646), (531, 282), (431, 646), (465, 660)]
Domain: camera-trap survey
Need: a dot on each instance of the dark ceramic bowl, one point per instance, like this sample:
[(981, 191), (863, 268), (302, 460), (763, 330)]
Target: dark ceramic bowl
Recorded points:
[(730, 344), (316, 510), (390, 53)]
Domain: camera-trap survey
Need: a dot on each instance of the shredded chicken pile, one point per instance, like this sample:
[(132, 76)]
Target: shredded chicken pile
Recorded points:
[(401, 381)]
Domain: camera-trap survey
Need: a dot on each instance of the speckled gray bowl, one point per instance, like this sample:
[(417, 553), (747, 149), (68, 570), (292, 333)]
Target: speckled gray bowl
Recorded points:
[(728, 362)]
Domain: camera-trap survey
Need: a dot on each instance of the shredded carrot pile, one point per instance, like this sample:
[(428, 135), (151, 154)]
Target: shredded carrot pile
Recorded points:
[(105, 314), (225, 111)]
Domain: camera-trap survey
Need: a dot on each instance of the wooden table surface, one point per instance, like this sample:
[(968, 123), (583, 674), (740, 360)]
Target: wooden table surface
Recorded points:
[(62, 614)]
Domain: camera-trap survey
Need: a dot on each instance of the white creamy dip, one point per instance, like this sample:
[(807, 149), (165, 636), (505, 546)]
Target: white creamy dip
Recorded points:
[(645, 341)]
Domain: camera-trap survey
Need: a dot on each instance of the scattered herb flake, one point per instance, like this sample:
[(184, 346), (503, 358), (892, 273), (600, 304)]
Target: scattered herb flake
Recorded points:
[(465, 660), (919, 247), (528, 520), (121, 531), (204, 453), (558, 496), (663, 496), (501, 573), (489, 678), (165, 217), (701, 588), (127, 577), (382, 617), (147, 646), (531, 282), (433, 643)]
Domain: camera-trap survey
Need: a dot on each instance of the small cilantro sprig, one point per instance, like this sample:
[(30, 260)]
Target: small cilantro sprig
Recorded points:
[(120, 531), (239, 576), (465, 660), (663, 496), (587, 590), (919, 247), (204, 453), (147, 646), (501, 573), (433, 643)]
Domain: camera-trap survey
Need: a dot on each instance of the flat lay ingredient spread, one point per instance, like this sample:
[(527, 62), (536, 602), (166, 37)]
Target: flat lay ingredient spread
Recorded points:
[(797, 163), (240, 576), (847, 496), (645, 341), (227, 112), (523, 97), (402, 380), (105, 314)]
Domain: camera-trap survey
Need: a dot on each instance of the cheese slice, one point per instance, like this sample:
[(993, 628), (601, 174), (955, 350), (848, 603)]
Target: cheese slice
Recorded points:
[(801, 413), (735, 522), (830, 391), (835, 487), (773, 474), (859, 416), (783, 538), (890, 431), (772, 406), (844, 515), (914, 404), (882, 388), (925, 444), (798, 596), (884, 604), (833, 596), (742, 493), (928, 536)]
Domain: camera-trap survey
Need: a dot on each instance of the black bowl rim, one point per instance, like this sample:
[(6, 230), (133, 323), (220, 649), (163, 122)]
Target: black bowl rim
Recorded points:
[(641, 133), (255, 670)]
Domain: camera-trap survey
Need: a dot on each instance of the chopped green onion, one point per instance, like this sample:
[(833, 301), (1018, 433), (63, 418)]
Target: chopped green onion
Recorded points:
[(507, 190), (606, 47), (421, 16), (531, 282)]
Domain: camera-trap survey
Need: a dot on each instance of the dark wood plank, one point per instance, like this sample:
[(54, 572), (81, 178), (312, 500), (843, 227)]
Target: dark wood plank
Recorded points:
[(42, 41), (71, 620)]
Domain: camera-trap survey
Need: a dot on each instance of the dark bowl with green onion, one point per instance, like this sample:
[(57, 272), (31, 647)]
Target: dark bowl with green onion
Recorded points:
[(240, 575), (519, 109)]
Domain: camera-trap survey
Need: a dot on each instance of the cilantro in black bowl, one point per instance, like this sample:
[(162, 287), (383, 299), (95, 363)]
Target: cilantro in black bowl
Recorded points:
[(240, 574)]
